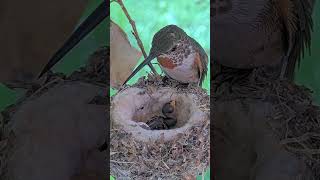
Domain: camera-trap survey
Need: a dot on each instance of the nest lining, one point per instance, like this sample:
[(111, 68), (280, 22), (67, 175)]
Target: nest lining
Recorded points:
[(134, 105)]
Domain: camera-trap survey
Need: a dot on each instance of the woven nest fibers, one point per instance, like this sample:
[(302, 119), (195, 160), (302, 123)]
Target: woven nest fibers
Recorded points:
[(179, 150), (265, 128), (55, 131)]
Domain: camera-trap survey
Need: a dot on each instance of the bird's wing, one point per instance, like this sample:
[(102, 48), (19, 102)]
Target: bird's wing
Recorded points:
[(203, 65), (302, 36)]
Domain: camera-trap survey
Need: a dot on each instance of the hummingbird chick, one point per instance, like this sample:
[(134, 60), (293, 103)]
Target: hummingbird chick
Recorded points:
[(168, 120), (180, 56), (273, 33)]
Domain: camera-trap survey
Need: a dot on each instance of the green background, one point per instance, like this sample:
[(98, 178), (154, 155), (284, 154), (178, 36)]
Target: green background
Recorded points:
[(309, 74), (150, 16)]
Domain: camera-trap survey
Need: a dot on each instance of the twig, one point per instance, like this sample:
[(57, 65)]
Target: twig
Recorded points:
[(135, 33), (122, 162), (304, 137), (307, 151), (165, 165), (45, 86)]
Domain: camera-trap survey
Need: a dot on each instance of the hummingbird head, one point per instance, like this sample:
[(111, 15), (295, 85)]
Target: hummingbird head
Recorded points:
[(164, 41)]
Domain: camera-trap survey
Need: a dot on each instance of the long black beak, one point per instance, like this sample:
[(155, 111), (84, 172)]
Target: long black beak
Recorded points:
[(145, 62), (94, 19)]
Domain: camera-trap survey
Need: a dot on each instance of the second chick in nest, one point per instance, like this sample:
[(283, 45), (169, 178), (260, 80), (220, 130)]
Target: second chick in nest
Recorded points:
[(168, 121)]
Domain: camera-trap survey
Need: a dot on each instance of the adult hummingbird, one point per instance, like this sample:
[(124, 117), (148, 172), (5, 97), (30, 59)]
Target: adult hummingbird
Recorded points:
[(180, 56), (249, 34)]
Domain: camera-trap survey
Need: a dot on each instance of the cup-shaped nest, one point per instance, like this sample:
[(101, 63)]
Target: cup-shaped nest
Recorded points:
[(133, 107)]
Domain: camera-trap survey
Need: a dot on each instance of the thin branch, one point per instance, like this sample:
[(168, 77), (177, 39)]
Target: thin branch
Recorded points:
[(304, 137), (122, 162), (135, 33)]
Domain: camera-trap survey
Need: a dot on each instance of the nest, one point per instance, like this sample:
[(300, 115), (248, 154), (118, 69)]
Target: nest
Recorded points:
[(181, 151), (57, 115), (290, 113)]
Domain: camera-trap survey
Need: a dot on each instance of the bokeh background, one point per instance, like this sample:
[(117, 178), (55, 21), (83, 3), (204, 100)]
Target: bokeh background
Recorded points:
[(193, 16), (74, 59), (309, 74)]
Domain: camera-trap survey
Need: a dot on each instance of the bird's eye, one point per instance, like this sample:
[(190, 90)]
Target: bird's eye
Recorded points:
[(173, 48)]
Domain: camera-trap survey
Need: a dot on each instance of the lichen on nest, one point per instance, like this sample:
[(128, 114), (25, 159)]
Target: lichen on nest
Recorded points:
[(187, 155)]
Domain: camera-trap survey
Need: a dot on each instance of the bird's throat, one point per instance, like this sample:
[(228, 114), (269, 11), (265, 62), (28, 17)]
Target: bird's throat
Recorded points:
[(166, 62)]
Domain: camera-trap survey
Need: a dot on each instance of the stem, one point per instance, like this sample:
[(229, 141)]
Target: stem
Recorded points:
[(135, 33)]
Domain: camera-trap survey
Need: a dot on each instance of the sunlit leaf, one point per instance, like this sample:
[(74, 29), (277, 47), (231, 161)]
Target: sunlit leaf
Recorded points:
[(123, 57)]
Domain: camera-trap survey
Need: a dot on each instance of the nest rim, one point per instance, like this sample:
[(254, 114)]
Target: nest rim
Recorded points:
[(127, 122)]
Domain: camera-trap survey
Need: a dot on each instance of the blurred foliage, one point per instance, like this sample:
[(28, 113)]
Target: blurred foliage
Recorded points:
[(74, 59), (150, 16), (308, 74), (7, 97)]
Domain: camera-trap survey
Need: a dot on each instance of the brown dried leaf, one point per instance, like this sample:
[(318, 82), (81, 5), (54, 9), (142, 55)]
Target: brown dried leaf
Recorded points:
[(123, 57), (31, 31)]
